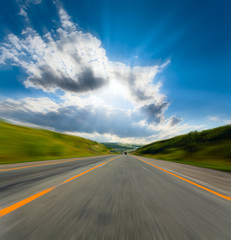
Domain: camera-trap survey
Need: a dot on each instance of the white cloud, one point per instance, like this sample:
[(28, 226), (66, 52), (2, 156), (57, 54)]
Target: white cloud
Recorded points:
[(74, 61), (219, 120), (227, 121), (100, 97), (23, 12), (214, 119), (24, 4), (162, 132), (65, 19)]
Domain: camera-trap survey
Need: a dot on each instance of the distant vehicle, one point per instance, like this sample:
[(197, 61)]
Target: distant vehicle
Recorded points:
[(125, 153)]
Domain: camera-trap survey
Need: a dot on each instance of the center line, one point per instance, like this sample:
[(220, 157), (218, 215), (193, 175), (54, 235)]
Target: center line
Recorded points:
[(19, 204)]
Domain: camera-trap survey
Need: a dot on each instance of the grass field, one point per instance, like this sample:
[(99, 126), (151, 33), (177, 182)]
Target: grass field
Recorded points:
[(24, 144), (209, 148)]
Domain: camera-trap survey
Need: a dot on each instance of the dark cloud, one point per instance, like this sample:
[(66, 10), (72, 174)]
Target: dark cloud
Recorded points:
[(76, 119), (154, 112), (174, 121), (137, 93), (84, 81)]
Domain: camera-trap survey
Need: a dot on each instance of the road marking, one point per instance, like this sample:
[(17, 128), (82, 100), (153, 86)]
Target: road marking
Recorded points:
[(70, 179), (43, 164), (19, 204), (186, 180)]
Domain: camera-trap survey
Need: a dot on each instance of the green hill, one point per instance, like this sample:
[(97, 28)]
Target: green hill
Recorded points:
[(121, 146), (23, 144), (209, 148)]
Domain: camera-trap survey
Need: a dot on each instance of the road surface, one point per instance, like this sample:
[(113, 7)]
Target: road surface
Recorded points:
[(108, 197)]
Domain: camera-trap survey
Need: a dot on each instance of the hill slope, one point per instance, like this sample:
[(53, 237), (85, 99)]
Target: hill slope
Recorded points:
[(121, 146), (22, 144), (209, 148)]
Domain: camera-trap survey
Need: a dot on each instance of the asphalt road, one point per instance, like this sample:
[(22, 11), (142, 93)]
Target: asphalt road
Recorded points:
[(120, 199)]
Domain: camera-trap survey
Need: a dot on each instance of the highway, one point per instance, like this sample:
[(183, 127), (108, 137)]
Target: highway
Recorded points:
[(110, 197)]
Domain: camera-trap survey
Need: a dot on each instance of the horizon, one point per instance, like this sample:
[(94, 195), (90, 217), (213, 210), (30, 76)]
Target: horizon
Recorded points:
[(132, 72), (122, 143)]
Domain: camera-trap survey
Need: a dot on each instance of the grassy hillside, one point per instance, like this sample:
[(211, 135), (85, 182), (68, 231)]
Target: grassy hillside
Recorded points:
[(22, 144), (209, 148)]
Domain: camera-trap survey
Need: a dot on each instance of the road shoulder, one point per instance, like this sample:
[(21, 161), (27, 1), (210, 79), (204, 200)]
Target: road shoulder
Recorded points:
[(216, 180)]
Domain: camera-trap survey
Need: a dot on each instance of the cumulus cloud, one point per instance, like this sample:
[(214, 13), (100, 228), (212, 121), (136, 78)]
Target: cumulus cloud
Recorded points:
[(74, 61), (77, 64)]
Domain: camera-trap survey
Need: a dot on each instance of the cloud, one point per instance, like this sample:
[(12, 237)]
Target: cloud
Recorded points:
[(27, 2), (75, 63), (174, 121), (65, 19), (73, 118), (84, 118), (155, 112), (217, 119), (214, 119), (49, 78), (22, 12), (139, 81), (227, 121), (24, 4)]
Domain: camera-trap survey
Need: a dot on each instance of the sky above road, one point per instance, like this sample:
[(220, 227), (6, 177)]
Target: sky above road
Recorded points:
[(119, 71)]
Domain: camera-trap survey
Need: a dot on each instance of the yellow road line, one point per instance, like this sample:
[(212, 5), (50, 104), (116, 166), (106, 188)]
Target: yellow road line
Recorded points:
[(70, 179), (19, 204), (186, 180), (43, 164)]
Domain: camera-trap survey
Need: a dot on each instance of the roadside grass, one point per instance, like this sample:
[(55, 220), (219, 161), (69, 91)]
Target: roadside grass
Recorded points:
[(209, 148), (24, 144)]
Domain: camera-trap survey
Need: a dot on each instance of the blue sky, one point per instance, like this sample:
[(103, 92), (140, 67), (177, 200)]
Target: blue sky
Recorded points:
[(130, 71)]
